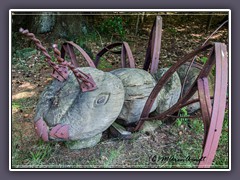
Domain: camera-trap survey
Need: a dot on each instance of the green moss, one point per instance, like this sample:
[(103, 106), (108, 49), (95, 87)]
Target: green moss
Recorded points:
[(104, 64)]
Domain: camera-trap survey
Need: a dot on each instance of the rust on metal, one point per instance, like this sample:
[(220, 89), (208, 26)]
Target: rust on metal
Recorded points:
[(212, 116), (125, 52), (154, 47), (106, 49), (58, 71), (205, 103), (41, 129), (160, 84), (67, 47), (218, 109), (85, 81)]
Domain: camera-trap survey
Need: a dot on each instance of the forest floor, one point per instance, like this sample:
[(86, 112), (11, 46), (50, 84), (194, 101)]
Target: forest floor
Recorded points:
[(175, 145)]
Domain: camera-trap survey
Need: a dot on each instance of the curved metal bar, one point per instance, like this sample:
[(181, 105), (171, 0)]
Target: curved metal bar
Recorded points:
[(59, 71), (129, 55), (125, 51), (205, 103), (154, 47), (192, 102), (213, 127), (219, 104), (85, 81), (104, 50), (67, 47), (123, 56), (164, 79)]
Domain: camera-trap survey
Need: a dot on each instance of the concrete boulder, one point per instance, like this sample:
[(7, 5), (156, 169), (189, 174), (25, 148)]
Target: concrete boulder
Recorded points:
[(170, 92), (138, 85), (192, 76), (88, 114)]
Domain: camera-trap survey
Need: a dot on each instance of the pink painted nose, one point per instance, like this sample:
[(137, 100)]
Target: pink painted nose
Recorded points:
[(41, 129), (60, 131)]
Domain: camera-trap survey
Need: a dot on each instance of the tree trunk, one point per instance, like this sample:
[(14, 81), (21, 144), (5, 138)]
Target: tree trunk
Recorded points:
[(60, 26)]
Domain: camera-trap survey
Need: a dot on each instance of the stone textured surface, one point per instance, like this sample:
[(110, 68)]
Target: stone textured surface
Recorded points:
[(138, 85), (88, 113), (192, 76), (45, 22), (170, 92), (85, 143)]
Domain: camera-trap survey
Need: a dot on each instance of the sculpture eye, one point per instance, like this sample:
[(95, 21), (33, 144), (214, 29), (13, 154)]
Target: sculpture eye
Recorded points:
[(101, 99)]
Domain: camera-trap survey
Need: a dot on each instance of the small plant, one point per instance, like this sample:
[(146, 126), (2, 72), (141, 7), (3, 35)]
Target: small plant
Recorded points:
[(183, 113), (113, 25), (15, 105), (113, 156), (197, 126), (23, 103), (104, 64), (203, 59), (42, 152)]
